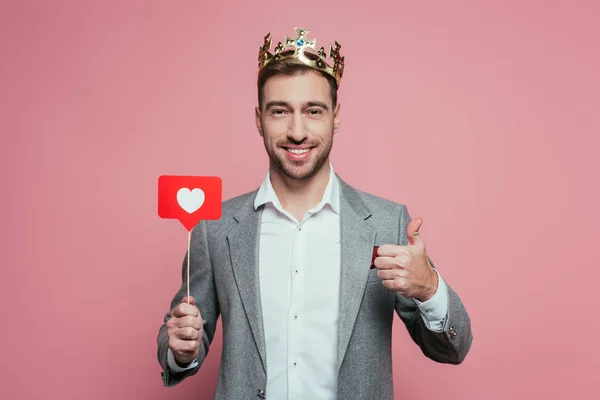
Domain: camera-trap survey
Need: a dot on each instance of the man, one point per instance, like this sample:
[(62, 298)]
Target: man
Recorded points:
[(306, 312)]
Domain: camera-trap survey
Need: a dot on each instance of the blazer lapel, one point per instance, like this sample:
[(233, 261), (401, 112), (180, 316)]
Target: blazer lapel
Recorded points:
[(357, 241), (243, 241)]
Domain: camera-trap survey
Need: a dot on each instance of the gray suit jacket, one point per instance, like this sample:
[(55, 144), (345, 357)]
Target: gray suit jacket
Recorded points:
[(225, 281)]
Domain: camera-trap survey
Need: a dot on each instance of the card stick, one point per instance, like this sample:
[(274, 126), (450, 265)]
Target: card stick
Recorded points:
[(188, 266)]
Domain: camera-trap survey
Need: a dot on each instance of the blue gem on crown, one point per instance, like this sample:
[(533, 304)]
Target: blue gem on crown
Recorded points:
[(300, 42)]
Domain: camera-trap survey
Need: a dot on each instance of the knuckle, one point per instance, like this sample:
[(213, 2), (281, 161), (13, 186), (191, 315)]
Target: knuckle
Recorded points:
[(184, 308), (171, 326), (190, 333), (170, 333), (180, 333), (190, 309), (402, 285)]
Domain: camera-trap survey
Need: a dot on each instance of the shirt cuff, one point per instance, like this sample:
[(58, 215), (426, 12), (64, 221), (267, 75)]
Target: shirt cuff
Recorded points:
[(173, 364), (435, 310)]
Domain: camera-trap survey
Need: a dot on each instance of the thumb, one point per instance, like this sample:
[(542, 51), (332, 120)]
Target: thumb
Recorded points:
[(189, 299), (412, 232)]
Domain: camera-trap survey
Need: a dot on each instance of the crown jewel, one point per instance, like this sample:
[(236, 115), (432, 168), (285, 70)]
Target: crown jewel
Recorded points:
[(298, 48)]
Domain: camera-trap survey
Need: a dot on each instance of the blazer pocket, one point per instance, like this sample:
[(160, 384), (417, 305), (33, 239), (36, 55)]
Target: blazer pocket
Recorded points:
[(373, 278)]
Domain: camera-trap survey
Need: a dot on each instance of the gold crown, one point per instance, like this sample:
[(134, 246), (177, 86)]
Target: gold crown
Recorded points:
[(297, 48)]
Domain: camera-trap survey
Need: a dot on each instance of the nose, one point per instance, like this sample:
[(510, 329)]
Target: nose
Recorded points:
[(297, 130)]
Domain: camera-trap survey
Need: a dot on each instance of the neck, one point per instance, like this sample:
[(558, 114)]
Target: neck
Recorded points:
[(299, 196)]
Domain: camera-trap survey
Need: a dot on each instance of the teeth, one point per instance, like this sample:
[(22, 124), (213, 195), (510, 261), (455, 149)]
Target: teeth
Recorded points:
[(298, 151)]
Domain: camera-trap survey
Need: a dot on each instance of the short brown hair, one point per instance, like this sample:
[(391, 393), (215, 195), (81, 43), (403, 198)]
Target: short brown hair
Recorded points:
[(291, 67)]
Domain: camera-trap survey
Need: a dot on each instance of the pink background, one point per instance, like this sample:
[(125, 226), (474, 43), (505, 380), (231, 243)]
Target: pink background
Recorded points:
[(480, 116)]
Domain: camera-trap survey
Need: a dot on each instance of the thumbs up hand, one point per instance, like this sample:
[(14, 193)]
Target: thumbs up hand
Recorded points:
[(406, 269)]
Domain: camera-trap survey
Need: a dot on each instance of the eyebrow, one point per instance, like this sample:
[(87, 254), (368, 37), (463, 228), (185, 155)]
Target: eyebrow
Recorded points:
[(271, 104), (317, 104)]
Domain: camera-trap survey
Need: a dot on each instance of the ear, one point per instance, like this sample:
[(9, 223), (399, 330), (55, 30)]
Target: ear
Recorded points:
[(258, 120), (337, 118)]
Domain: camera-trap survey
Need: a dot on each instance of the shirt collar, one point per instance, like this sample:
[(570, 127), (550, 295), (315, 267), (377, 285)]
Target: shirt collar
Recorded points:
[(331, 195)]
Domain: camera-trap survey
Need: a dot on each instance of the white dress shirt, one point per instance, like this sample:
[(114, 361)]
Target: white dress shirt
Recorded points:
[(299, 265), (299, 272)]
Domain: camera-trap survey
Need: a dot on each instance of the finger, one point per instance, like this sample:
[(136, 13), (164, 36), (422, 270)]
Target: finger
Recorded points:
[(191, 300), (393, 250), (389, 274), (185, 321), (390, 250), (397, 285), (187, 333), (184, 309), (412, 232), (391, 284), (183, 346), (403, 260), (385, 263), (198, 322)]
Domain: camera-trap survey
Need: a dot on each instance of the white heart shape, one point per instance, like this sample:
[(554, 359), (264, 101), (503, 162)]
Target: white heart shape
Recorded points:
[(190, 200)]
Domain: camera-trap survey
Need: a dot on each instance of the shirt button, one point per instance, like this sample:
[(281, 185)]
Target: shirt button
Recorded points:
[(295, 364), (296, 316)]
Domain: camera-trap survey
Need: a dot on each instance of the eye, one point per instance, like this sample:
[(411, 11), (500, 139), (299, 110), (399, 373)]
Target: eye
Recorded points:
[(315, 111), (277, 111)]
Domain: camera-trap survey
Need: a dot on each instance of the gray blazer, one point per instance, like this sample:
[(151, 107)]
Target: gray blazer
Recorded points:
[(224, 281)]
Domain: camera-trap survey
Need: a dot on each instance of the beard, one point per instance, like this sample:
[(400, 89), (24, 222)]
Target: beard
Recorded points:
[(299, 170)]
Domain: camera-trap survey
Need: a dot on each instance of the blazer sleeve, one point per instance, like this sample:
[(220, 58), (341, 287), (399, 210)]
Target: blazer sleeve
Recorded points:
[(451, 345), (202, 288)]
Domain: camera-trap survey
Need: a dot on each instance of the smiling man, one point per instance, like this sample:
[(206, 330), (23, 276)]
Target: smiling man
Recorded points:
[(307, 272)]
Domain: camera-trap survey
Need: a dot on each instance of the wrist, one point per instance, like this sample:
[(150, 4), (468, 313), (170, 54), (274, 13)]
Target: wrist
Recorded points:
[(431, 288), (183, 363), (183, 360), (180, 363)]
